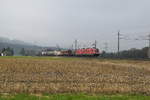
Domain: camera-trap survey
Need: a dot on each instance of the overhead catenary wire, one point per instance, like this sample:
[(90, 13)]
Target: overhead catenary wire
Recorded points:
[(145, 38), (120, 37)]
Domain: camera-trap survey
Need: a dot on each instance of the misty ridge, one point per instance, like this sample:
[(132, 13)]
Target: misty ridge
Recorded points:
[(17, 45), (13, 41)]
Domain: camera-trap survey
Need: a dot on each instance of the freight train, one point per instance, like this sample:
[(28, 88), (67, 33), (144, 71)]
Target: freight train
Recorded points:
[(78, 52)]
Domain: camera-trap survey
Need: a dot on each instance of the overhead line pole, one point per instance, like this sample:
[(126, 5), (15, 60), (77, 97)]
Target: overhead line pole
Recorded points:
[(148, 52), (118, 42), (72, 47), (149, 46), (106, 46), (76, 44), (95, 44)]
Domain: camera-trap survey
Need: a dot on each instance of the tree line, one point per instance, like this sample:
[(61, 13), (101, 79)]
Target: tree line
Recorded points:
[(131, 53), (7, 52), (23, 52)]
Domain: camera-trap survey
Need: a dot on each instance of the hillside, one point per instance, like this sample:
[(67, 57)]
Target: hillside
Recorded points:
[(12, 41), (17, 45)]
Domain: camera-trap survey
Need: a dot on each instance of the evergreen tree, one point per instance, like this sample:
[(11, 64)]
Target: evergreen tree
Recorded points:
[(8, 51), (23, 52)]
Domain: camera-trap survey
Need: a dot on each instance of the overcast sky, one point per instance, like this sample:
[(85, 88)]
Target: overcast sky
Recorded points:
[(51, 22)]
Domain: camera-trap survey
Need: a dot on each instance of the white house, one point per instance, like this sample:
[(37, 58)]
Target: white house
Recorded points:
[(2, 54)]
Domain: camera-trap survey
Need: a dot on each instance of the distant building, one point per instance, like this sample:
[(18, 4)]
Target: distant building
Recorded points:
[(2, 54)]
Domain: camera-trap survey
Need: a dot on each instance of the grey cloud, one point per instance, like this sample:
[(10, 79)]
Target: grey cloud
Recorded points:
[(50, 22)]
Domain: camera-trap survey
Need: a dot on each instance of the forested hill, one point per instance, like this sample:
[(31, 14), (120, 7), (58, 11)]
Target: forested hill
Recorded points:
[(17, 45)]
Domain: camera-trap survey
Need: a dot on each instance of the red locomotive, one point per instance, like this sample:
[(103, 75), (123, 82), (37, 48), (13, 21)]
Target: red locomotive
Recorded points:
[(87, 52)]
